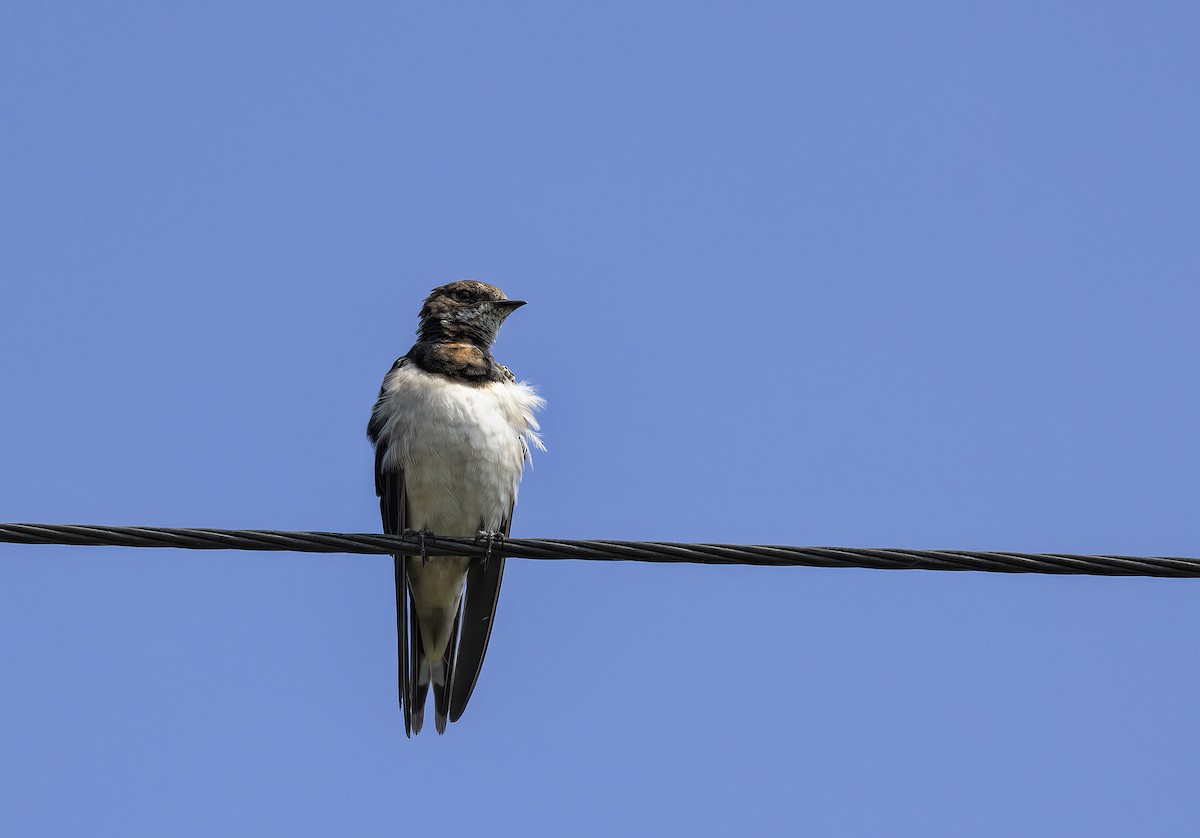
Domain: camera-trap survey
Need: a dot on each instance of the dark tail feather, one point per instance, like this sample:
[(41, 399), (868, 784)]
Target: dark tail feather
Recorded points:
[(393, 507), (420, 671), (441, 687)]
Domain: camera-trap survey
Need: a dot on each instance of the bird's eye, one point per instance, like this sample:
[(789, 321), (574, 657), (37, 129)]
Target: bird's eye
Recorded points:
[(462, 295)]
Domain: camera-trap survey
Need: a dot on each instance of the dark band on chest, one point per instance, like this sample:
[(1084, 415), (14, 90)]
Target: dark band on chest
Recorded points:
[(464, 362)]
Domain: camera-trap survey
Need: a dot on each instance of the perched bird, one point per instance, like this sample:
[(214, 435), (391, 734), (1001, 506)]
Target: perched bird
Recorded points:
[(452, 431)]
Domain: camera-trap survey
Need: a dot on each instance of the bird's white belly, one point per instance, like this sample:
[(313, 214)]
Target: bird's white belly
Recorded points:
[(461, 447), (458, 476)]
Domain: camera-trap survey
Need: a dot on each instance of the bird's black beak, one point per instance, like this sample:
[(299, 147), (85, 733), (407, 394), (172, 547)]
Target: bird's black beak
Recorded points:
[(511, 305)]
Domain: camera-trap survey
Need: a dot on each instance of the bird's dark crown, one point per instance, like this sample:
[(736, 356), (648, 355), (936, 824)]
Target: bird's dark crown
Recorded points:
[(463, 312)]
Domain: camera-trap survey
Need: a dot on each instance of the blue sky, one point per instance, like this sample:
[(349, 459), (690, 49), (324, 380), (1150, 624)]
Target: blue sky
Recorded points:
[(861, 274)]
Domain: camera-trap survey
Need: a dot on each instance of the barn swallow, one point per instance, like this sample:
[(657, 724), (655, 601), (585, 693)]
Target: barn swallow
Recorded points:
[(452, 431)]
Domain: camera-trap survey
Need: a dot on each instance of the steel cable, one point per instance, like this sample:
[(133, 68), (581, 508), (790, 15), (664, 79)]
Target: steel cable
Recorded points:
[(638, 551)]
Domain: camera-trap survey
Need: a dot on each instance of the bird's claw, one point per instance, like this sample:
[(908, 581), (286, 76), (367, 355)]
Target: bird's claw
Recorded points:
[(491, 538), (421, 536)]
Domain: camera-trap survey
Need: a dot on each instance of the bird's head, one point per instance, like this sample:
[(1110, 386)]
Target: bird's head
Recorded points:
[(465, 311)]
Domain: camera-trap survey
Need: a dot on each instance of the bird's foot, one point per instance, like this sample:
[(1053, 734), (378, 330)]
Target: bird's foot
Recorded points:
[(491, 538), (421, 535)]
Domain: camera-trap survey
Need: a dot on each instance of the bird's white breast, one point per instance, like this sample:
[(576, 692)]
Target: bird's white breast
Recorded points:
[(462, 447)]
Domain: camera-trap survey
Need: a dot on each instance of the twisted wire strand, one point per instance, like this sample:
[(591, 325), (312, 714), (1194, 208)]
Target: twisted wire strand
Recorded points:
[(637, 551)]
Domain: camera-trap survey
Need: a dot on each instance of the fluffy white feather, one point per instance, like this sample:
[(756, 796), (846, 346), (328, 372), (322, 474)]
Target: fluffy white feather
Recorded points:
[(462, 447)]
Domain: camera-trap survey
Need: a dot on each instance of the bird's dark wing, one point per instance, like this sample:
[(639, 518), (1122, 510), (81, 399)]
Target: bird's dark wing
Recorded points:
[(393, 508), (475, 625)]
